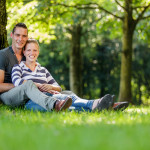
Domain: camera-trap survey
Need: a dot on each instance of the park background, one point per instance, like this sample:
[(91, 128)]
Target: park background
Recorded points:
[(93, 48)]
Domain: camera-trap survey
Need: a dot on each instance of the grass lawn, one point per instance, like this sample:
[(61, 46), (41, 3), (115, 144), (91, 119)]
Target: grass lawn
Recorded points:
[(27, 130)]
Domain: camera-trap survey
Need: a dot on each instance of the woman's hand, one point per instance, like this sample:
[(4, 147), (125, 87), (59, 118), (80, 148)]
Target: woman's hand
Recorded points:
[(48, 88), (45, 87)]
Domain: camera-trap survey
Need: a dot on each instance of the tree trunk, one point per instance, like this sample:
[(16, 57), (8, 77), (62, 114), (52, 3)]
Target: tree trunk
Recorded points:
[(126, 58), (3, 23), (76, 61), (140, 92)]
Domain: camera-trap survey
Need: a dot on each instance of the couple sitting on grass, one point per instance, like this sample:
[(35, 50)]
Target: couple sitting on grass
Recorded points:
[(33, 86)]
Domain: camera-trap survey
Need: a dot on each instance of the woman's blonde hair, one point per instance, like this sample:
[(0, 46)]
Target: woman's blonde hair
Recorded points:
[(31, 40)]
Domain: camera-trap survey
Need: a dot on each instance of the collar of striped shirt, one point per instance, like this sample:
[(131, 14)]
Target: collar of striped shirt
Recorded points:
[(22, 64)]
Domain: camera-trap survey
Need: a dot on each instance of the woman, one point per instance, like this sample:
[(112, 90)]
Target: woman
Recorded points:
[(31, 70)]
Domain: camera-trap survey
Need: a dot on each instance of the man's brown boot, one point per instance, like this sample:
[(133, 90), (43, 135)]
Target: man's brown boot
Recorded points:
[(63, 104)]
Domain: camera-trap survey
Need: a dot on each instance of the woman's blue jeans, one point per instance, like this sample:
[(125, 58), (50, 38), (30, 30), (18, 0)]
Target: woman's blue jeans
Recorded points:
[(78, 104)]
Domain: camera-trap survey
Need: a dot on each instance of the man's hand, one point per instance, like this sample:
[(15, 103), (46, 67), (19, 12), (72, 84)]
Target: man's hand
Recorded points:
[(53, 92), (38, 85)]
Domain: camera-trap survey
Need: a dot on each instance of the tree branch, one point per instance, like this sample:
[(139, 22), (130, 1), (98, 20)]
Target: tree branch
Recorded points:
[(64, 12), (145, 17), (140, 17), (139, 7), (90, 6), (101, 8), (120, 5)]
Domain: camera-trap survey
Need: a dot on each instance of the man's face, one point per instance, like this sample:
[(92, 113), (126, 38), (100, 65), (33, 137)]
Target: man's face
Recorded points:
[(19, 37)]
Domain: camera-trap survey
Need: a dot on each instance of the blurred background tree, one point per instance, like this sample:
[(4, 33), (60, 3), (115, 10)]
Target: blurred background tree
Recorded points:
[(81, 43), (3, 23)]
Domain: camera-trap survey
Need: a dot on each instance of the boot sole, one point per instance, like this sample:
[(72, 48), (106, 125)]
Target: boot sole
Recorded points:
[(121, 106)]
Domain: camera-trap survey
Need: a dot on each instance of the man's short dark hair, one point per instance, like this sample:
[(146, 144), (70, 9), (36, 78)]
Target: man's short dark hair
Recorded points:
[(22, 25)]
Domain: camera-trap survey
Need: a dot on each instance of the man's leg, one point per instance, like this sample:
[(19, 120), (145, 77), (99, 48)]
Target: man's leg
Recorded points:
[(19, 96)]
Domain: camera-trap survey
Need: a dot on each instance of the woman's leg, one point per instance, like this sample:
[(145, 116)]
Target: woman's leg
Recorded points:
[(30, 105), (105, 102), (78, 103)]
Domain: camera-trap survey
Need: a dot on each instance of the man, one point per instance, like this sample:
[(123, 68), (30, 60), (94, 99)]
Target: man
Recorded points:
[(20, 95)]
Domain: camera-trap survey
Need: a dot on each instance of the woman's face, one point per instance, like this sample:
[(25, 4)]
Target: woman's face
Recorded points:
[(31, 52)]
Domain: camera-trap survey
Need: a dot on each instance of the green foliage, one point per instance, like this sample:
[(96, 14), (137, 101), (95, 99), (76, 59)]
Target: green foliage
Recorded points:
[(28, 13), (142, 33), (107, 130), (141, 76), (101, 71)]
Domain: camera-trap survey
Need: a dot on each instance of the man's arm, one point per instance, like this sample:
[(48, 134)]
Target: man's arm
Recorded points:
[(4, 87)]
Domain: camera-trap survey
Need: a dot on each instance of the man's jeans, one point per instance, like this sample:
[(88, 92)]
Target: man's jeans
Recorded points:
[(78, 104), (21, 94)]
